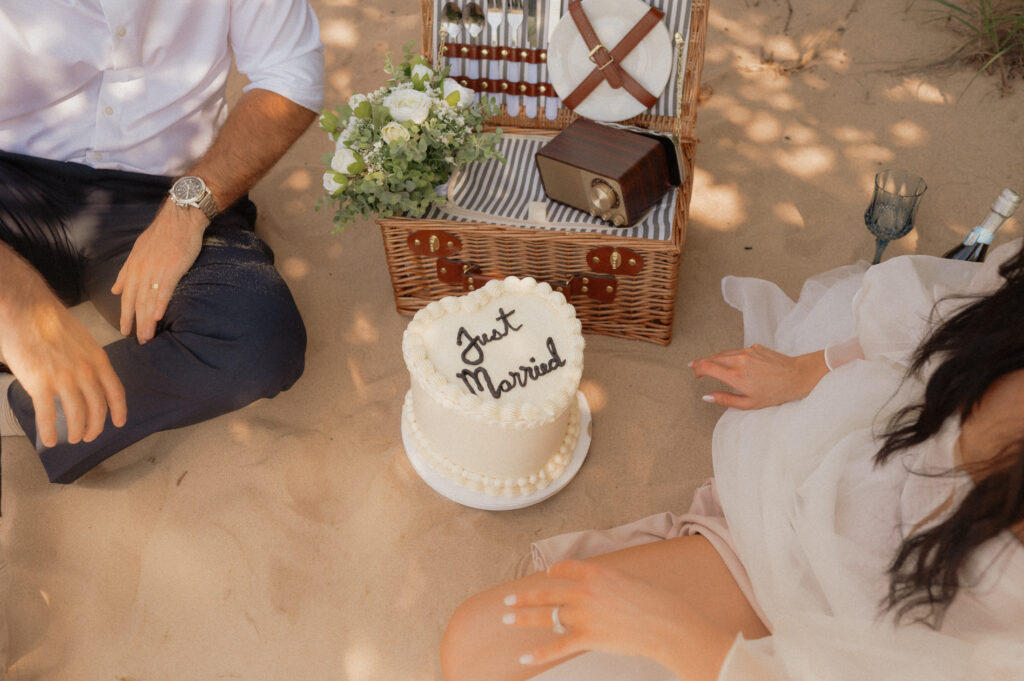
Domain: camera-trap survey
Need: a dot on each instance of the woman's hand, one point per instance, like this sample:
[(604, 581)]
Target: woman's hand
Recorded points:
[(607, 610), (760, 377)]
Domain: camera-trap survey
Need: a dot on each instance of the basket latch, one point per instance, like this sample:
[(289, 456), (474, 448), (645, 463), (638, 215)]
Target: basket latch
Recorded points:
[(434, 243), (469, 277), (613, 260)]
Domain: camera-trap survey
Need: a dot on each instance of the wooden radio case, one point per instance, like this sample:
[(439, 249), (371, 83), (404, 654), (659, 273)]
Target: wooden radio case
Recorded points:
[(610, 172)]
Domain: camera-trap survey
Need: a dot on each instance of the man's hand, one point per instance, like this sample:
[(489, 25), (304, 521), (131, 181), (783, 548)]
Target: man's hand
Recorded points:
[(262, 125), (54, 357), (159, 259), (761, 377)]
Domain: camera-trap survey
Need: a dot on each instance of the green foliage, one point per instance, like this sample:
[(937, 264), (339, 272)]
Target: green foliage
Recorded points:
[(995, 31), (406, 148)]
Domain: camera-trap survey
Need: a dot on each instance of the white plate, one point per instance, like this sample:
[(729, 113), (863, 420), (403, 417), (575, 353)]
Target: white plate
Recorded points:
[(486, 502), (650, 62)]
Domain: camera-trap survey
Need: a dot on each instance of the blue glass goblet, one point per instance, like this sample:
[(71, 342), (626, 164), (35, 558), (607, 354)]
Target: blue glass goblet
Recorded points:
[(893, 207)]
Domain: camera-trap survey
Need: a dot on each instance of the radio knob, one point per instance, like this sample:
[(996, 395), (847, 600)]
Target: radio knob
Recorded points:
[(603, 196), (619, 221), (606, 216)]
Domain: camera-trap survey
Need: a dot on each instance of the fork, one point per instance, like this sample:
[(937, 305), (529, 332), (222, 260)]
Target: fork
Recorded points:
[(495, 17), (514, 17)]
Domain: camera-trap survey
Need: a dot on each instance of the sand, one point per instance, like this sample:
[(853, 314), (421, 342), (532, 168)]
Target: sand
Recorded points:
[(293, 539)]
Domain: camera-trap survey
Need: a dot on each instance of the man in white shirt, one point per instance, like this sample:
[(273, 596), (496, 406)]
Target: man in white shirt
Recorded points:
[(123, 180)]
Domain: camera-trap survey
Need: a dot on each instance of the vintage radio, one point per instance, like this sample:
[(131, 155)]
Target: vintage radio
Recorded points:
[(608, 171)]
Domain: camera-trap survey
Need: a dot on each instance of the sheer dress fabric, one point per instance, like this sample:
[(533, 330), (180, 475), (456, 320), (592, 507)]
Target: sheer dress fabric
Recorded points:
[(814, 524)]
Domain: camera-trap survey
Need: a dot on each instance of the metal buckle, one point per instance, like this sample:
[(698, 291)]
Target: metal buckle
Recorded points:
[(598, 48)]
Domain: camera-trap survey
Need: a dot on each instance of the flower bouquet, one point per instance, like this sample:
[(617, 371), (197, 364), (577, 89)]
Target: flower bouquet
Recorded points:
[(394, 146)]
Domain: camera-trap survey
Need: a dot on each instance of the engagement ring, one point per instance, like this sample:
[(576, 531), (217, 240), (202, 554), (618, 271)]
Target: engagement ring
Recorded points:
[(559, 628), (156, 285)]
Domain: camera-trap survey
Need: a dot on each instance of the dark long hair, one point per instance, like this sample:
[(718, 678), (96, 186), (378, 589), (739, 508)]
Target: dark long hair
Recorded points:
[(977, 346)]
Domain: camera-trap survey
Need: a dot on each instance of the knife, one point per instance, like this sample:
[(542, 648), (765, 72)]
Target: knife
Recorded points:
[(531, 43), (551, 103)]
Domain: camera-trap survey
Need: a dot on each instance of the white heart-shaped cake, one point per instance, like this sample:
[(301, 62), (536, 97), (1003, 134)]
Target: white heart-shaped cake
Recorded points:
[(494, 375)]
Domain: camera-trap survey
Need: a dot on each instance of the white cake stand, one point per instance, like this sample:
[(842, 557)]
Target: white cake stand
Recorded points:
[(487, 502)]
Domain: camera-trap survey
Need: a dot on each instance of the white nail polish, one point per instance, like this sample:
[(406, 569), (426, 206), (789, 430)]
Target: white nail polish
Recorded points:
[(691, 363), (708, 398), (526, 659), (510, 600), (508, 618)]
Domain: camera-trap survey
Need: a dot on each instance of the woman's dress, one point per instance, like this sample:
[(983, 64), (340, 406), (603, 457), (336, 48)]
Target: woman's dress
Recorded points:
[(813, 524)]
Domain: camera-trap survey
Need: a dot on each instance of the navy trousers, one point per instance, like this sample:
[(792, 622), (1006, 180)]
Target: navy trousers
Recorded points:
[(231, 335)]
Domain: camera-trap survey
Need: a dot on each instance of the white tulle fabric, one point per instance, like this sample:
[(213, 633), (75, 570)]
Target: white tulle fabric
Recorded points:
[(815, 524)]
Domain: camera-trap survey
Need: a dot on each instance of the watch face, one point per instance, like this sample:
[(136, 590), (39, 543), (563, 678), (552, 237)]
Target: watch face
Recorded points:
[(188, 189)]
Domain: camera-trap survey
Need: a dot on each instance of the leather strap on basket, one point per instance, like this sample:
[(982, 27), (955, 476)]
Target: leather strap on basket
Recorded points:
[(607, 62), (599, 287)]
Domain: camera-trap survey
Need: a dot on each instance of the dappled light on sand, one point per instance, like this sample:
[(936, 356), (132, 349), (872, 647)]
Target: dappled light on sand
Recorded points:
[(918, 90), (363, 331), (299, 180), (597, 396), (240, 430), (719, 206), (294, 268), (361, 662), (340, 33), (356, 376), (788, 213), (908, 134)]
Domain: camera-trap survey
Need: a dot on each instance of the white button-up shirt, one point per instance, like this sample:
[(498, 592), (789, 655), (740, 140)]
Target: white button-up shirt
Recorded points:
[(139, 84)]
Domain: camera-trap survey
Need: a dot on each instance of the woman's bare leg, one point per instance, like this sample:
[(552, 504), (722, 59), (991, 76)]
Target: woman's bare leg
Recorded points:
[(477, 645)]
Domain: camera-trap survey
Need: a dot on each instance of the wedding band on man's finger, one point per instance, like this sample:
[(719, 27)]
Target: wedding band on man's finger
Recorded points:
[(558, 627)]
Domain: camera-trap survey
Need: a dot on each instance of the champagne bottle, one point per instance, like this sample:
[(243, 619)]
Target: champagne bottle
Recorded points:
[(975, 246)]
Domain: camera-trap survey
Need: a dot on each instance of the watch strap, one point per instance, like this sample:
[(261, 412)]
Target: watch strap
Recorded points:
[(206, 204)]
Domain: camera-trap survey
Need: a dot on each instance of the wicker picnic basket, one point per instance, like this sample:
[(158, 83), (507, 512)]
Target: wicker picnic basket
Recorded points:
[(620, 286)]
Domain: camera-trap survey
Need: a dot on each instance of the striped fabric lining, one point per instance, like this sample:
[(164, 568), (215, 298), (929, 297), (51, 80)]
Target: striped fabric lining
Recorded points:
[(677, 19), (501, 193)]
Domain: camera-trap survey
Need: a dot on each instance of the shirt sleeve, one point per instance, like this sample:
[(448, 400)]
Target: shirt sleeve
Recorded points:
[(277, 47)]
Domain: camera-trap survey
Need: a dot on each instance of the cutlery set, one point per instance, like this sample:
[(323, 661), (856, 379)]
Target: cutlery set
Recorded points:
[(499, 47)]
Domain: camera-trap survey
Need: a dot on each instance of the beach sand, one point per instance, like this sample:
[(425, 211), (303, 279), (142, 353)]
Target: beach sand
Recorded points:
[(293, 539)]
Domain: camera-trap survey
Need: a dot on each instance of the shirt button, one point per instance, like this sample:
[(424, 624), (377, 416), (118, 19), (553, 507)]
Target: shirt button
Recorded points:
[(122, 32), (109, 111)]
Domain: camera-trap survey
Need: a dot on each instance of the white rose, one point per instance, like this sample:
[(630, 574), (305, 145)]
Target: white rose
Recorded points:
[(465, 94), (331, 183), (422, 71), (393, 132), (346, 161), (408, 105)]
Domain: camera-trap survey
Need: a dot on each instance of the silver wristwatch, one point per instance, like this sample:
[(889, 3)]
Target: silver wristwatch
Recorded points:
[(192, 191)]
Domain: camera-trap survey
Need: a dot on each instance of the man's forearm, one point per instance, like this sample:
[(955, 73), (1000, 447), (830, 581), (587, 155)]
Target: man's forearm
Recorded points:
[(259, 130), (20, 285)]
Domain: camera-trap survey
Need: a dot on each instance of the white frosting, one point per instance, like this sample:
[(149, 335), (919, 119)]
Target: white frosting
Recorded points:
[(494, 374), (491, 484)]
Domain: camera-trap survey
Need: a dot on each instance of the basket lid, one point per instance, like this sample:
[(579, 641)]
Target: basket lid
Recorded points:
[(571, 61)]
